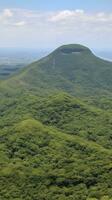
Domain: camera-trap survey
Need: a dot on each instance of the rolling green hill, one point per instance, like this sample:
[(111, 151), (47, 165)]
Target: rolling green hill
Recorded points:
[(56, 128)]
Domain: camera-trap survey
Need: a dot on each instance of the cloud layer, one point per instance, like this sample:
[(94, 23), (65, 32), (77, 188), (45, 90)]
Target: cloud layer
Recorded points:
[(31, 28)]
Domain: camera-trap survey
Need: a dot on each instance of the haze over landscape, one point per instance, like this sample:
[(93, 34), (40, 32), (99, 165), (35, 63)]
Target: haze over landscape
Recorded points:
[(49, 24), (55, 100)]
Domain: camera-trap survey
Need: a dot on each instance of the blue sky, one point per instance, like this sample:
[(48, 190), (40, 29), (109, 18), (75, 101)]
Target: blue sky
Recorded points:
[(95, 5), (50, 23)]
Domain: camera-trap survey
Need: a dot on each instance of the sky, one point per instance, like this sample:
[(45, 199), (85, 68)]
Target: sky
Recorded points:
[(51, 23)]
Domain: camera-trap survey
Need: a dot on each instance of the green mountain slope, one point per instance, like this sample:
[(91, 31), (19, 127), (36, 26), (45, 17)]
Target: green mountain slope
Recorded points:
[(41, 163), (72, 68), (56, 129)]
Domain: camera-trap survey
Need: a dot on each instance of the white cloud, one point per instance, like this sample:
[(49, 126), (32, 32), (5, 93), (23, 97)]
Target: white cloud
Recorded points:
[(7, 13), (80, 11), (52, 27), (66, 14), (61, 16), (80, 15), (21, 23)]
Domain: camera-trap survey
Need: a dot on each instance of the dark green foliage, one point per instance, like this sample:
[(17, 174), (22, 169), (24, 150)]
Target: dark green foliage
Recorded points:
[(55, 135)]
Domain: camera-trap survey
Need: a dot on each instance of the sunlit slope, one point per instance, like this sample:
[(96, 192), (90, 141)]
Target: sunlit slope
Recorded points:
[(71, 68), (61, 111), (41, 162)]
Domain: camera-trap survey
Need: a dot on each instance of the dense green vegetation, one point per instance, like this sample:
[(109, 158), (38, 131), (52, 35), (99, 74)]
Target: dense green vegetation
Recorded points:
[(56, 129)]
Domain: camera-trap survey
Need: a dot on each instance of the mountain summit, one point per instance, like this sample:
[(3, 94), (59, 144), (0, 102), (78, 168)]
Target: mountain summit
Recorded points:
[(72, 68), (72, 49)]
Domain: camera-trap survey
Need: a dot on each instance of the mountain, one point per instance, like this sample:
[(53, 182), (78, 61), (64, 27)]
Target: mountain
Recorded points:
[(71, 68), (56, 128)]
